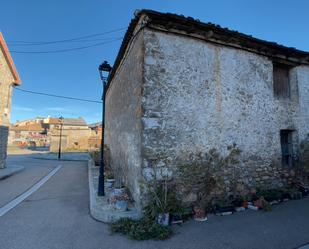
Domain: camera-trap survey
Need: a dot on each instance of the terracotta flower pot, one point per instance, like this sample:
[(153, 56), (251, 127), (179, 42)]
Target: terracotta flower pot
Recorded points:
[(245, 204), (199, 213)]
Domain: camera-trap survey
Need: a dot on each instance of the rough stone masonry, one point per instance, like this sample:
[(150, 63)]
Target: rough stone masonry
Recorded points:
[(8, 78), (181, 87)]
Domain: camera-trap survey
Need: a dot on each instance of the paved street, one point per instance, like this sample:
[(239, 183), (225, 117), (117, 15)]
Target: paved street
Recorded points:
[(57, 217)]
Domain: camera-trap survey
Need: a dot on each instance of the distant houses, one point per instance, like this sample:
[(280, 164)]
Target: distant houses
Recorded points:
[(45, 132), (29, 133), (8, 78)]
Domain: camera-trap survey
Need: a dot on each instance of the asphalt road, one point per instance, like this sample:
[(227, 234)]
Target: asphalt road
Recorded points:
[(57, 217)]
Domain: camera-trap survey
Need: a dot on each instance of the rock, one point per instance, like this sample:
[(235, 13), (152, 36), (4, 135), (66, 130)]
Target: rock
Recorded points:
[(253, 207), (274, 202), (239, 209), (226, 213), (192, 197)]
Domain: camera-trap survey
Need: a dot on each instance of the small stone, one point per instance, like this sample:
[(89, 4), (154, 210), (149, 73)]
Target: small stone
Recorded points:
[(274, 202), (226, 213), (253, 207), (240, 209)]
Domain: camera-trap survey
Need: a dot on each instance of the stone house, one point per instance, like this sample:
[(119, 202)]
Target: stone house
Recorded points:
[(180, 86), (75, 134), (8, 79)]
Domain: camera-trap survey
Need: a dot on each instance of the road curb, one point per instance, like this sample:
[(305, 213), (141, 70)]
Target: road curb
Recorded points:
[(100, 209), (7, 172)]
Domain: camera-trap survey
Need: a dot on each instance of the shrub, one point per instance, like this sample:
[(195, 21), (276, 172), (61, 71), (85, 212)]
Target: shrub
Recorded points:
[(95, 155), (203, 174), (143, 229), (270, 194)]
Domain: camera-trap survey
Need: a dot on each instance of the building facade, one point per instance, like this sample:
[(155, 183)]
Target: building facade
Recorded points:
[(8, 79), (29, 134), (181, 87), (74, 137), (94, 141)]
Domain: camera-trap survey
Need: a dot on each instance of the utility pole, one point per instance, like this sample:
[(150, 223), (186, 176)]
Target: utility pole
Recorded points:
[(60, 139)]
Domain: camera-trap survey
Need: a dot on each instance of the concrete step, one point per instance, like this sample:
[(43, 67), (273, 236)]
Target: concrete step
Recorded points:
[(100, 208)]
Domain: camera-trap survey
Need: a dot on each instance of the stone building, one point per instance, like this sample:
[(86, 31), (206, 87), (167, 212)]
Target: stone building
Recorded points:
[(8, 79), (75, 134), (95, 138), (180, 86)]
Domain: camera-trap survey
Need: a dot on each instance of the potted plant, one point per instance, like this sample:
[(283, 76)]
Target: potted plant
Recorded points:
[(199, 212), (160, 194), (224, 207), (180, 215), (199, 207), (119, 188), (110, 180), (162, 201), (120, 202)]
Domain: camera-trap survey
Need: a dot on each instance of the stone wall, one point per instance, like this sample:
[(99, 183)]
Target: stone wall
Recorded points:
[(4, 132), (6, 79), (122, 120), (198, 96)]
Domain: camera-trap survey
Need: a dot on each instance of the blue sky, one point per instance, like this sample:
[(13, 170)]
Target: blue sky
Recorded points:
[(75, 73)]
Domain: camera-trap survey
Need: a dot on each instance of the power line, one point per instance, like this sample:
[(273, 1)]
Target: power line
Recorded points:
[(75, 41), (67, 40), (58, 96), (63, 50)]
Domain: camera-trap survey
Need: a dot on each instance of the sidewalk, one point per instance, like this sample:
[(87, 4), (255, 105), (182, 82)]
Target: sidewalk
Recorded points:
[(9, 171), (66, 156), (100, 208)]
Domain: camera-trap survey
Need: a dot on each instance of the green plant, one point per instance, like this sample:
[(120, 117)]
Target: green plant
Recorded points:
[(202, 175), (95, 155), (123, 197), (161, 199), (267, 207), (109, 174), (143, 229), (303, 163), (270, 194)]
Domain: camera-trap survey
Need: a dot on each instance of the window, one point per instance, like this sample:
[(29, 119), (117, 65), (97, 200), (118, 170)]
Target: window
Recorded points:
[(281, 81), (286, 147)]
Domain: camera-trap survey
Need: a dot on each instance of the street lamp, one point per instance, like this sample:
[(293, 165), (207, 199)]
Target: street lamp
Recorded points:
[(104, 70), (61, 124)]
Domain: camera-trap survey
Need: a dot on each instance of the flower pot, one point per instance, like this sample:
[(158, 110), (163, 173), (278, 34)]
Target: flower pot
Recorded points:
[(110, 183), (163, 219), (176, 219), (245, 204), (199, 213), (119, 191), (121, 205)]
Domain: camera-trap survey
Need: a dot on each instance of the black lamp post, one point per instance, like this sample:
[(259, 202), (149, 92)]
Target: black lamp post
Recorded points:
[(104, 70), (60, 139)]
